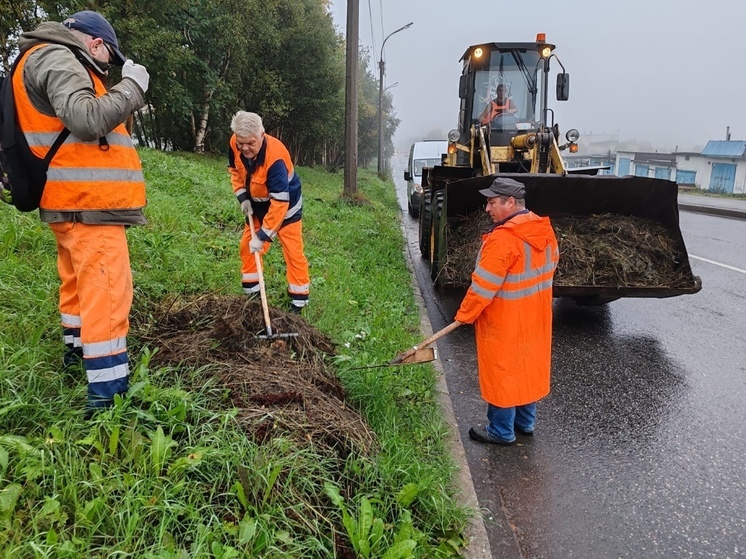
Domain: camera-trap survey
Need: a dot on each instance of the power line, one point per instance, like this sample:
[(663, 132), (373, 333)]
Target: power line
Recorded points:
[(383, 31), (372, 34)]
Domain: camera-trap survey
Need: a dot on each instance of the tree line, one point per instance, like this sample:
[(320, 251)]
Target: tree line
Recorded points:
[(283, 59)]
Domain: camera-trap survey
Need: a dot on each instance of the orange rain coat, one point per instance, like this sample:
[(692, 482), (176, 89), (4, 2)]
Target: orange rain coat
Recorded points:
[(510, 304)]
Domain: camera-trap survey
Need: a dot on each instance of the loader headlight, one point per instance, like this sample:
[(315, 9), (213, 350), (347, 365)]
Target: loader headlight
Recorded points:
[(545, 52), (454, 135), (478, 52), (572, 135)]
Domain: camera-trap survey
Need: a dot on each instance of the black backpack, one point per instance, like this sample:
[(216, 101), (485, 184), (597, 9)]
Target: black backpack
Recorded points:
[(22, 174)]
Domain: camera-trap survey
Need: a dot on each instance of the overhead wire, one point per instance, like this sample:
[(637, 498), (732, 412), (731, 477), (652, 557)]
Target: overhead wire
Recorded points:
[(383, 31), (372, 33)]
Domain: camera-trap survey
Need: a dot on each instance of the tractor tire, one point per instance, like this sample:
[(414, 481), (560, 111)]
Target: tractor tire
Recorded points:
[(437, 242), (414, 210), (426, 222)]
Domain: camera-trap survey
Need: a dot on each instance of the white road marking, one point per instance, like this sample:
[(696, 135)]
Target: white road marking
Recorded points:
[(718, 264)]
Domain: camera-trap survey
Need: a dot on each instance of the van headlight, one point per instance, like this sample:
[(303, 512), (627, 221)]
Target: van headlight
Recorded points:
[(418, 188)]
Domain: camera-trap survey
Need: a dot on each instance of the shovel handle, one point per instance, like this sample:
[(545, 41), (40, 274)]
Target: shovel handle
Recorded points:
[(439, 334), (262, 291)]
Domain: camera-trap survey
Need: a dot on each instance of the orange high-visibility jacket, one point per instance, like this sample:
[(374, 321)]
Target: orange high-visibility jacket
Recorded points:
[(510, 303), (494, 109), (98, 175), (273, 187)]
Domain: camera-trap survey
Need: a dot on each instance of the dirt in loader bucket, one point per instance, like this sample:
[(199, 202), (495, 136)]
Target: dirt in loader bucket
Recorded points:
[(280, 387), (618, 236), (597, 250)]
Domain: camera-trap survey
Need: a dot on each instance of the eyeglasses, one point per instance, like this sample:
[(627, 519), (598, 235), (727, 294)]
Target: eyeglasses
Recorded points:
[(112, 56)]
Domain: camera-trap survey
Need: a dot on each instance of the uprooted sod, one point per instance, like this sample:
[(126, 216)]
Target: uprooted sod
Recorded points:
[(279, 387)]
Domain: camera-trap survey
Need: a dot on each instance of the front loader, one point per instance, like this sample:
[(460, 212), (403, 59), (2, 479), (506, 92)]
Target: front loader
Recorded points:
[(501, 134)]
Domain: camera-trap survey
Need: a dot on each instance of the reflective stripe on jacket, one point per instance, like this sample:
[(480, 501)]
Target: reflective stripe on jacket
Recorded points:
[(510, 303), (101, 175), (274, 188)]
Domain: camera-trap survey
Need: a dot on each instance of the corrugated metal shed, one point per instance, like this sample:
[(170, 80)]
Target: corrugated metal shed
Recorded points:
[(733, 149)]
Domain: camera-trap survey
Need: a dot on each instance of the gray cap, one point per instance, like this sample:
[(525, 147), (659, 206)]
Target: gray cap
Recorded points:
[(503, 186)]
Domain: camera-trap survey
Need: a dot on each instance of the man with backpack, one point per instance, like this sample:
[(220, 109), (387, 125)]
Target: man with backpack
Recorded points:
[(94, 185)]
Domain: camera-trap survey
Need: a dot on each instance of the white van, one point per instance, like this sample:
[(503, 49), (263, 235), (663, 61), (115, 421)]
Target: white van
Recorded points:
[(422, 154)]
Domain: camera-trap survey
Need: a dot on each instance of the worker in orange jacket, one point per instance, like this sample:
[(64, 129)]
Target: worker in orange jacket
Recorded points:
[(510, 304), (269, 192), (94, 189), (502, 104)]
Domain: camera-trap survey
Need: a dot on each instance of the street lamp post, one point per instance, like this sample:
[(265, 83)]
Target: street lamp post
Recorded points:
[(381, 67)]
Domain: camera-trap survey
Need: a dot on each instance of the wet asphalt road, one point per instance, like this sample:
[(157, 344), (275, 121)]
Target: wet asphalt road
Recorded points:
[(639, 448)]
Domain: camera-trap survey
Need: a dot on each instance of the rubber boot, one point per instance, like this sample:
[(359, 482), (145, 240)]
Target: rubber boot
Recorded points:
[(72, 361)]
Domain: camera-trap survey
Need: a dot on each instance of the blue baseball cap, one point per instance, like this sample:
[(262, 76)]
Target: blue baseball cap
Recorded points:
[(94, 24)]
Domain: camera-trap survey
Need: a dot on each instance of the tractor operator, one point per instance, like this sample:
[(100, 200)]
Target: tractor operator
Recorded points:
[(501, 105), (510, 304)]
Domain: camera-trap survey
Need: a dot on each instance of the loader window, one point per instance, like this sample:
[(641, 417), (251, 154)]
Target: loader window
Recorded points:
[(420, 163), (505, 95)]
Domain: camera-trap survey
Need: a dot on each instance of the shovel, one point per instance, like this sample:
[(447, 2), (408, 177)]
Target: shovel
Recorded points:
[(419, 353), (263, 295)]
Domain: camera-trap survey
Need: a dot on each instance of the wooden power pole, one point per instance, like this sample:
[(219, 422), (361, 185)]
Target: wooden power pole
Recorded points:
[(353, 18)]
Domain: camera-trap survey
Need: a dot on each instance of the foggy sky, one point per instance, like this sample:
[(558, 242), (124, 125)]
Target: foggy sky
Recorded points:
[(669, 72)]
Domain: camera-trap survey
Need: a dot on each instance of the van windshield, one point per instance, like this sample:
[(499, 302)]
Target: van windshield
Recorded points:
[(420, 163)]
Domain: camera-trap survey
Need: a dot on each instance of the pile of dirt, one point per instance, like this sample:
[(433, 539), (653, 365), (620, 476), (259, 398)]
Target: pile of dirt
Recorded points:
[(606, 250), (615, 250), (283, 386)]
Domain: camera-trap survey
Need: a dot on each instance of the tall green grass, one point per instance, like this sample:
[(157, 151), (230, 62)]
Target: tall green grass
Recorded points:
[(165, 474)]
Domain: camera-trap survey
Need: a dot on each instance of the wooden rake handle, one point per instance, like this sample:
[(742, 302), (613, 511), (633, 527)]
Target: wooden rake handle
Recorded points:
[(260, 273), (439, 334)]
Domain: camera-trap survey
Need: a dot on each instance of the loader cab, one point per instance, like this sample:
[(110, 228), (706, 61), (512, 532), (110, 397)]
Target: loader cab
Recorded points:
[(513, 69)]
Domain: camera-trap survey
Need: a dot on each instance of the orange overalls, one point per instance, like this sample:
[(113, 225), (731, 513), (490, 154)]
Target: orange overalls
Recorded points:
[(92, 259)]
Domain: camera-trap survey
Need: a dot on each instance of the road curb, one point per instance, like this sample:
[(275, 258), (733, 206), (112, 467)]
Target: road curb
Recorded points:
[(476, 533), (713, 210)]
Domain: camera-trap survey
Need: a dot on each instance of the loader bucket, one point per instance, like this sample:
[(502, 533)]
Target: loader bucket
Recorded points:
[(582, 198)]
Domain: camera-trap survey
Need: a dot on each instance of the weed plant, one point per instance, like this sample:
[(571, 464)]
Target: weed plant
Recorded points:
[(164, 474)]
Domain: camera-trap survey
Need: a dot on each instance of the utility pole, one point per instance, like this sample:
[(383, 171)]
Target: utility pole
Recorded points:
[(381, 68), (351, 118)]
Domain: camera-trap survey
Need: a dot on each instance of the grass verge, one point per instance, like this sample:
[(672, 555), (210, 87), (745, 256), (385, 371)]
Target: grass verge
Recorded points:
[(166, 474)]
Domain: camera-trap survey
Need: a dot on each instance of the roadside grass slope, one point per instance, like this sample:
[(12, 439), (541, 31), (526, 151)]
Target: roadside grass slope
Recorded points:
[(168, 473)]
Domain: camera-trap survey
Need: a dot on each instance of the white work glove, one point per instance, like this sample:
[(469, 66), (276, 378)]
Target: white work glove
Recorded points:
[(256, 244), (247, 209), (137, 73)]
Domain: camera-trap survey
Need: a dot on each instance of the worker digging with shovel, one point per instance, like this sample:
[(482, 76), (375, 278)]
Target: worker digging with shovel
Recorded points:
[(269, 192)]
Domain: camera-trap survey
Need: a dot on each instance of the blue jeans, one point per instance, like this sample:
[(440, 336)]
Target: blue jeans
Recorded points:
[(502, 421)]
